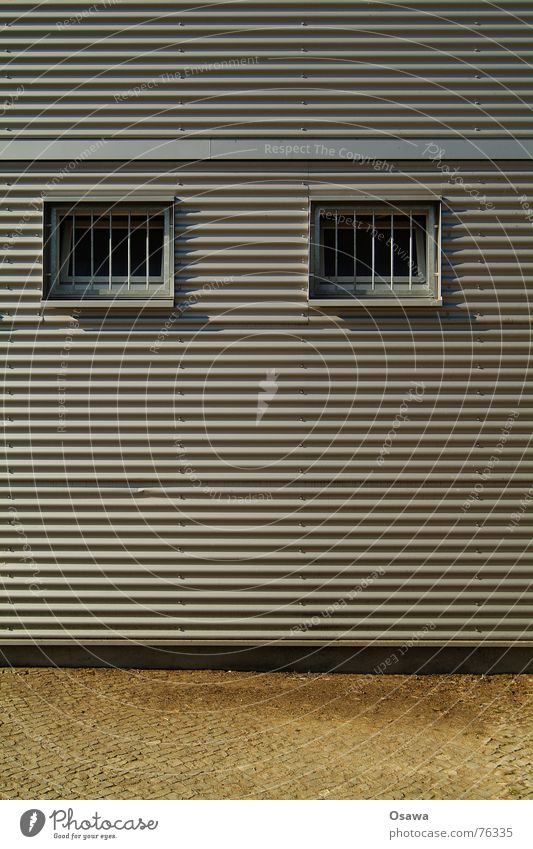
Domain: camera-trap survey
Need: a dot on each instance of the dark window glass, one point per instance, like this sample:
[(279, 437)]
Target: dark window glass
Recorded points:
[(328, 242), (344, 250), (81, 255), (382, 246), (401, 246), (75, 245), (101, 250), (376, 241), (66, 251), (138, 246), (363, 265), (119, 254), (156, 247), (419, 229)]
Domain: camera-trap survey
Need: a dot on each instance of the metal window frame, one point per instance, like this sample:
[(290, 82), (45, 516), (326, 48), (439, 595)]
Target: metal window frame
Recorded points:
[(133, 292), (430, 295)]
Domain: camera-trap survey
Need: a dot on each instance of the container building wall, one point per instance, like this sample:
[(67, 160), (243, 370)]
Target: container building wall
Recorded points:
[(385, 493), (375, 498)]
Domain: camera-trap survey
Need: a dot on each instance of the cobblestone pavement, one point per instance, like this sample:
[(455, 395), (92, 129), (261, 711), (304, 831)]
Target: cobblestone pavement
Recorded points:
[(104, 733)]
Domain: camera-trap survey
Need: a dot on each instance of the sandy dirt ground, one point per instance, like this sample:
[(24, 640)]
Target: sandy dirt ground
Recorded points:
[(104, 733)]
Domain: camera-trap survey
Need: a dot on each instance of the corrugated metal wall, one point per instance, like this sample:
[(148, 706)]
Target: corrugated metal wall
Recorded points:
[(341, 68), (382, 495)]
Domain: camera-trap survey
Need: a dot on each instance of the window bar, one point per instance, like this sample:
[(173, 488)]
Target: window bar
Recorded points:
[(91, 273), (129, 251), (354, 249), (336, 244), (110, 249), (391, 250), (147, 250), (438, 225), (410, 249), (373, 250)]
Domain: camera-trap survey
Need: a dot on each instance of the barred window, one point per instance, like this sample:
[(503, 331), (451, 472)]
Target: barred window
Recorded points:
[(379, 251), (109, 252)]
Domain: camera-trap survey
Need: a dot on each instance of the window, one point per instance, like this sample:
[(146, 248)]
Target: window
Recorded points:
[(383, 251), (105, 252)]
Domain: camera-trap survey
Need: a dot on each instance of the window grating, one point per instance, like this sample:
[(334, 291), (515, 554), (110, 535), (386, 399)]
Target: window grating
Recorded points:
[(98, 252), (374, 251)]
